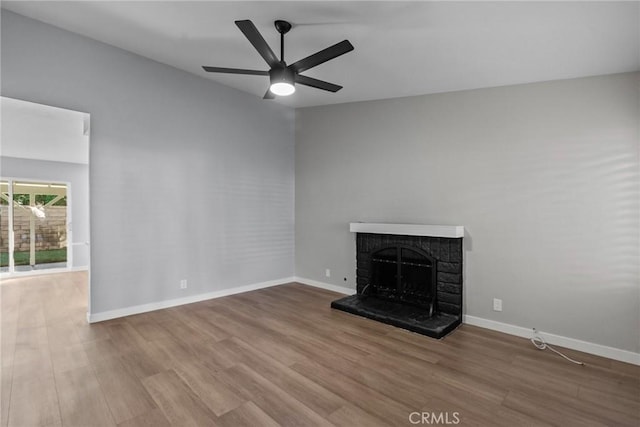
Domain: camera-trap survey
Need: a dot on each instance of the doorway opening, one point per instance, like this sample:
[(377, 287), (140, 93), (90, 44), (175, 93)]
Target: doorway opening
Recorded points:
[(44, 191)]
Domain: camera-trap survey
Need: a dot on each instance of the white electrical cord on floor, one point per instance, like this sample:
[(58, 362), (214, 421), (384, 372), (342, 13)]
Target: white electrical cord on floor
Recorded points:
[(541, 344)]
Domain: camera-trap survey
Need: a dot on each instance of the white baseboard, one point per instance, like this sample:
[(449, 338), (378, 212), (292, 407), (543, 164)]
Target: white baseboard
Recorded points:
[(327, 286), (572, 343), (143, 308), (19, 274), (575, 344)]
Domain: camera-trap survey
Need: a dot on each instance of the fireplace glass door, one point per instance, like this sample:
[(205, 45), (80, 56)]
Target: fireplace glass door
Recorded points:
[(404, 274)]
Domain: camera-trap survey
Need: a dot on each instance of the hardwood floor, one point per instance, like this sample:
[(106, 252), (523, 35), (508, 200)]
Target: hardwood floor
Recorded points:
[(281, 356)]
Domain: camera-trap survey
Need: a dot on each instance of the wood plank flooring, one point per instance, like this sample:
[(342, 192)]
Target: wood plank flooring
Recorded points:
[(281, 356)]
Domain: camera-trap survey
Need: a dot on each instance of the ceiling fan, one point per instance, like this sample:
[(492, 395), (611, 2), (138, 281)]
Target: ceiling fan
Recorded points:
[(284, 77)]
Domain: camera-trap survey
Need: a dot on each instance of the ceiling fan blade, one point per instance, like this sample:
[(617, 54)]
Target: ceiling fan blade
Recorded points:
[(251, 32), (235, 71), (268, 95), (322, 56), (319, 84)]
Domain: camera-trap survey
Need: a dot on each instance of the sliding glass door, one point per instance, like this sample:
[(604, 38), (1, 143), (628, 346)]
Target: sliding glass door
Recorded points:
[(36, 230), (5, 226)]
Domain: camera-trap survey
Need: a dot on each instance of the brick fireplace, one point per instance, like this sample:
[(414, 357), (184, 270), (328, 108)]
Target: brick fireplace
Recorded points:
[(408, 276)]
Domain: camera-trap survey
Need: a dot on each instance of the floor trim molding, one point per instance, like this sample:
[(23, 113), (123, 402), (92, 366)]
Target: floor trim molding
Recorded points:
[(327, 286), (572, 343), (144, 308), (31, 273), (559, 340)]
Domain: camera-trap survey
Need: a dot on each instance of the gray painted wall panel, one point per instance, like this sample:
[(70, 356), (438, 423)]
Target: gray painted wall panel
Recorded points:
[(189, 179), (545, 178)]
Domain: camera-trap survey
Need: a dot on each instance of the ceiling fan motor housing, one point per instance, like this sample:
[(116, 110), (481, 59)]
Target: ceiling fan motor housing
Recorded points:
[(282, 75)]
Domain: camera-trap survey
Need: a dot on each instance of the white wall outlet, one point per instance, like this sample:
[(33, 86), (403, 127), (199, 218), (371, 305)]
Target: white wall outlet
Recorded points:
[(497, 304), (183, 284), (327, 272)]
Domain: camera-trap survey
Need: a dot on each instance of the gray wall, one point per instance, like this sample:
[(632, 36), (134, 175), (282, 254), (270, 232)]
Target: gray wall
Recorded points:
[(75, 174), (188, 179), (545, 178)]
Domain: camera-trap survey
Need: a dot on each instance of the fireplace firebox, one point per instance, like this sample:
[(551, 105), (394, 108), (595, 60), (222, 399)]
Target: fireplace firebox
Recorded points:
[(408, 280), (403, 274)]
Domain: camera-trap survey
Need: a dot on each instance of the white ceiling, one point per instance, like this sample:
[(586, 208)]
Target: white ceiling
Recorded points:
[(41, 132), (401, 48)]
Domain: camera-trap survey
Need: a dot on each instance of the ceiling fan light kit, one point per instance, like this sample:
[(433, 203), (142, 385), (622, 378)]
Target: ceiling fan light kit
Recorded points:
[(283, 77), (282, 81)]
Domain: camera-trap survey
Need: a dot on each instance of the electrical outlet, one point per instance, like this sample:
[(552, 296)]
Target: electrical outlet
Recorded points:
[(327, 272), (183, 284), (497, 304)]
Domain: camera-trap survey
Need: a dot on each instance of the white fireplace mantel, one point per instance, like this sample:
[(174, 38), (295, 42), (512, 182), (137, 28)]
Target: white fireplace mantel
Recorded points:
[(453, 231)]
